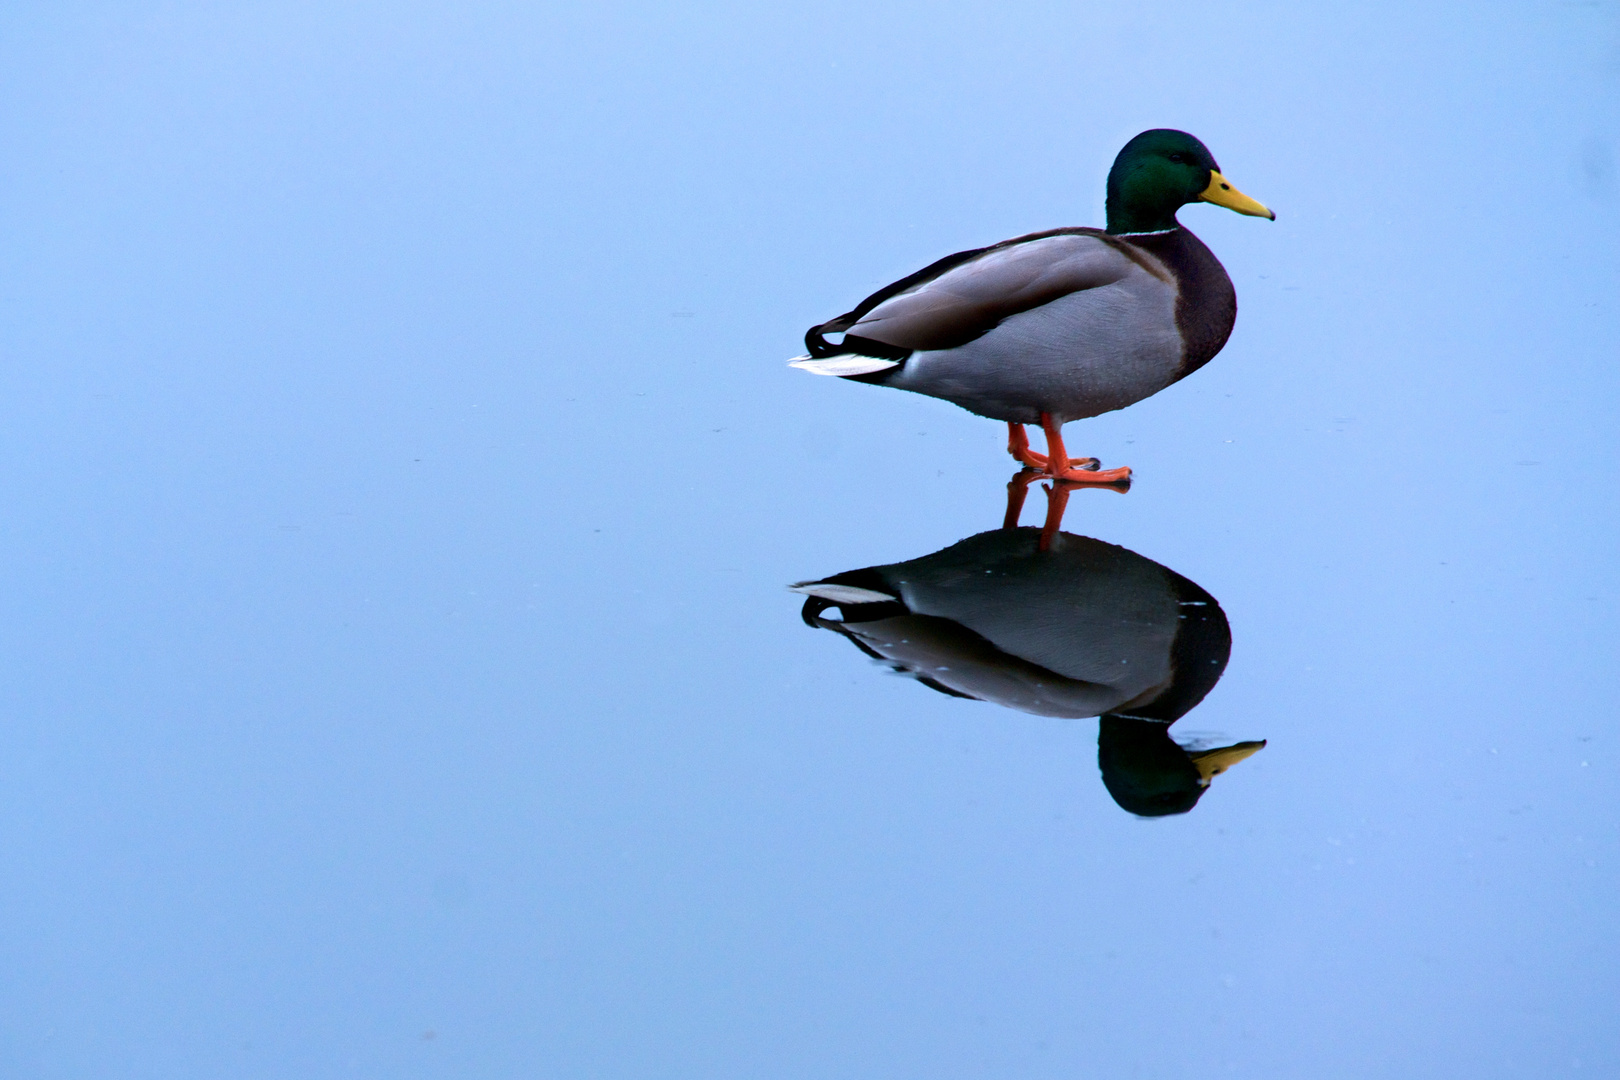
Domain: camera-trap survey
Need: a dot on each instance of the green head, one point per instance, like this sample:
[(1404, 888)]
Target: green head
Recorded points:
[(1159, 172)]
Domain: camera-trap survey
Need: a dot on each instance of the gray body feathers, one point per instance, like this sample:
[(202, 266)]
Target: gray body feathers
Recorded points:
[(1072, 323)]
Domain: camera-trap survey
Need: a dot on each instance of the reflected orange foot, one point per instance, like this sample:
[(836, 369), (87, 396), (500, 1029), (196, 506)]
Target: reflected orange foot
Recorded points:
[(1092, 474)]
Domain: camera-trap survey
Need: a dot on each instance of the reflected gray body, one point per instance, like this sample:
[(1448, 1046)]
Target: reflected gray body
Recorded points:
[(1079, 629), (1083, 629)]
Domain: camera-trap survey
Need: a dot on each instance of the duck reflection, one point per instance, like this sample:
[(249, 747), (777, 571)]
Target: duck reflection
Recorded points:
[(1058, 625)]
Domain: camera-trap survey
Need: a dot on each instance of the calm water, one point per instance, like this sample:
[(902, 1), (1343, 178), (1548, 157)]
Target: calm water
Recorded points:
[(401, 486)]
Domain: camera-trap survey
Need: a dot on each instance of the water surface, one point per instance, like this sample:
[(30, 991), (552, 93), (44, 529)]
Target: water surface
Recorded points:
[(402, 484)]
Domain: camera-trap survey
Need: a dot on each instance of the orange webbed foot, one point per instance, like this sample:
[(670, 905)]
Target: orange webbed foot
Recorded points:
[(1018, 447), (1044, 463), (1080, 470)]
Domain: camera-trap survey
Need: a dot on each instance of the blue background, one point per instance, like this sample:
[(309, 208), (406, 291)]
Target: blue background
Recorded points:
[(399, 479)]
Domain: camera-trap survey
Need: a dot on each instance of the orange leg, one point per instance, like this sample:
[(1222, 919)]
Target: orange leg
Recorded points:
[(1017, 490), (1018, 447), (1072, 475), (1057, 501)]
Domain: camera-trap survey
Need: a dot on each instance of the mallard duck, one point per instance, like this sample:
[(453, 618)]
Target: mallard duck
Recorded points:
[(1058, 325), (1072, 627)]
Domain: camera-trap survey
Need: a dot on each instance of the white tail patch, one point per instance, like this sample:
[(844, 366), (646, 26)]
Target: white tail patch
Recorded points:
[(840, 594), (848, 364)]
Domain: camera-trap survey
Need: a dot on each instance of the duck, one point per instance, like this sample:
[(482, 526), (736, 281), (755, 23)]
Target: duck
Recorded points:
[(1055, 626), (1059, 325)]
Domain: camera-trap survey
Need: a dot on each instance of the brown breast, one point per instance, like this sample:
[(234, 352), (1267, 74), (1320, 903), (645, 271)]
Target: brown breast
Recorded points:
[(1206, 306)]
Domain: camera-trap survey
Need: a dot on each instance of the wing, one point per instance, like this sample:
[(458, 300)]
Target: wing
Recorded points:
[(967, 294)]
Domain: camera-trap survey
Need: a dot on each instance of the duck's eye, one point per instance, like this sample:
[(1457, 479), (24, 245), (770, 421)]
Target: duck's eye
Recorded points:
[(1178, 158)]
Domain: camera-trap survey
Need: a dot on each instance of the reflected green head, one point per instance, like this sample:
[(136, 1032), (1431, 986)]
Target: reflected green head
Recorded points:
[(1144, 770)]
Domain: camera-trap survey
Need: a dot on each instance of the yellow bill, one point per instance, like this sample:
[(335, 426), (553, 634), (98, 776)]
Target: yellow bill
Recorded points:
[(1211, 763), (1222, 193)]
